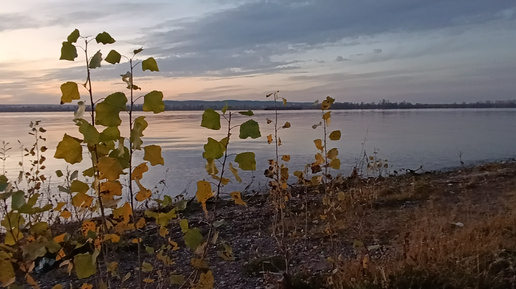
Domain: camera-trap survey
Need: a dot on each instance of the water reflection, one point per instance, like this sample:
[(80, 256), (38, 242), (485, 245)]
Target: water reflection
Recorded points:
[(407, 138)]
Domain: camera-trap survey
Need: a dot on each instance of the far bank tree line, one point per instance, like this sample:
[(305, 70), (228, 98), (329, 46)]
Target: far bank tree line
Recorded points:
[(172, 105)]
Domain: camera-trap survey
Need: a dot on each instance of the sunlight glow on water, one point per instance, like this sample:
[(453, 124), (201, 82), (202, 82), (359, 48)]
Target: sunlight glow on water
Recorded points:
[(408, 139)]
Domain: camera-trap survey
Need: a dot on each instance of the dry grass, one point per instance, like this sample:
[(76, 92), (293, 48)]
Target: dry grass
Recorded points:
[(443, 236)]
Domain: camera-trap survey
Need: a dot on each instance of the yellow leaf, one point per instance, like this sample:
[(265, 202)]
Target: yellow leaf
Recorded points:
[(335, 164), (87, 226), (285, 158), (163, 231), (59, 206), (82, 200), (66, 214), (319, 159), (58, 286), (174, 245), (31, 281), (139, 170), (327, 117), (199, 263), (206, 281), (109, 168), (318, 144), (112, 267), (203, 193), (135, 240), (269, 138), (153, 155), (148, 280), (335, 135), (237, 197), (287, 125), (86, 286), (7, 275), (140, 224), (333, 153), (60, 255), (143, 194), (235, 172), (124, 211), (113, 237), (60, 238), (110, 189)]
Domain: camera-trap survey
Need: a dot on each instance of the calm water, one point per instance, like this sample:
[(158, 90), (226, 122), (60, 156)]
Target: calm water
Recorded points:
[(408, 139)]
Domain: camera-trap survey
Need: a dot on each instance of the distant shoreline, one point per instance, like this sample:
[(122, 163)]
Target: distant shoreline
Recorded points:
[(198, 105)]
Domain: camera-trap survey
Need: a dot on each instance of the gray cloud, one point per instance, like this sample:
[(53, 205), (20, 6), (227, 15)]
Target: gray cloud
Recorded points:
[(245, 37)]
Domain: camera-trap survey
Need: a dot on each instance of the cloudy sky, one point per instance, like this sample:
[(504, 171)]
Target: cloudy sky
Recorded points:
[(438, 51)]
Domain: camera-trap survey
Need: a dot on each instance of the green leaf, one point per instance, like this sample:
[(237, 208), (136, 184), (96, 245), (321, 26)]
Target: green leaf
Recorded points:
[(79, 187), (59, 173), (153, 155), (95, 60), (335, 135), (109, 134), (213, 149), (251, 129), (211, 119), (104, 38), (90, 133), (107, 112), (248, 113), (184, 225), (68, 51), (113, 57), (85, 264), (136, 51), (72, 38), (150, 64), (225, 108), (153, 101), (69, 92), (17, 200), (246, 161), (193, 238), (147, 267), (69, 149), (139, 125), (4, 182)]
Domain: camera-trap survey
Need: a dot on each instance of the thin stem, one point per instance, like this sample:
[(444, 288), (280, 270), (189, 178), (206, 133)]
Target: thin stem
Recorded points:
[(131, 192), (94, 159)]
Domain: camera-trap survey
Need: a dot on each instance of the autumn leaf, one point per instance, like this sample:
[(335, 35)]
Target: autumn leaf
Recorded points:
[(237, 197), (203, 193), (88, 226), (335, 135), (318, 144), (269, 138), (139, 170), (153, 155), (69, 149), (123, 212), (109, 168)]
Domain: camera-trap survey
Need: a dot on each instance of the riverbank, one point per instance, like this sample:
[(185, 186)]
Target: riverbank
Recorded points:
[(453, 229)]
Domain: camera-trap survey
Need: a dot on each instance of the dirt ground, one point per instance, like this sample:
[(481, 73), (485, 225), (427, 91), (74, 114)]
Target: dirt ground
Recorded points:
[(372, 224)]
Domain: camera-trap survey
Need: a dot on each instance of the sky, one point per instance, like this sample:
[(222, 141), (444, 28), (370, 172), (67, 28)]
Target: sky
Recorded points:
[(439, 51)]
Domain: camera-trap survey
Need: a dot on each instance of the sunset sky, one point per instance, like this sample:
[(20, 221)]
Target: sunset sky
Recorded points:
[(438, 51)]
